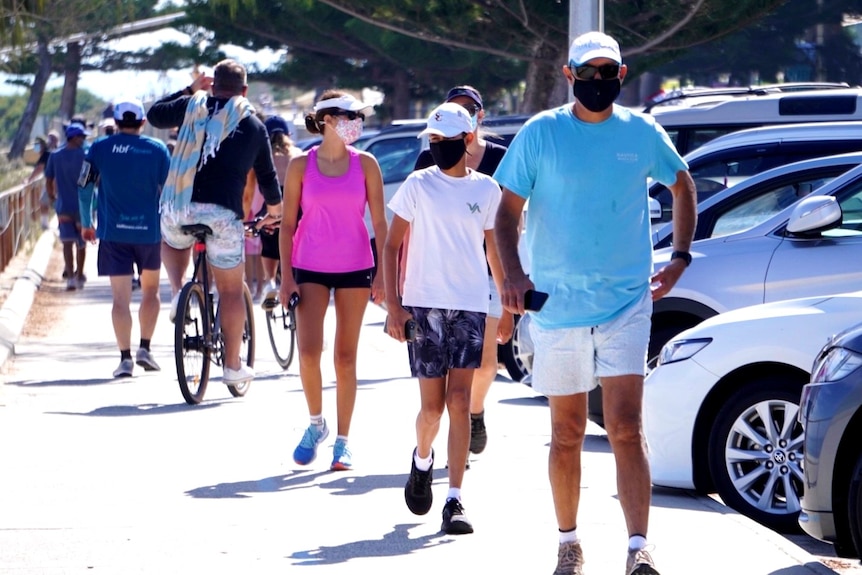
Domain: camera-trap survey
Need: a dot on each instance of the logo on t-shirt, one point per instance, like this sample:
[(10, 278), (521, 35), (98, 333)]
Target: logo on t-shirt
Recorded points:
[(474, 208), (628, 157)]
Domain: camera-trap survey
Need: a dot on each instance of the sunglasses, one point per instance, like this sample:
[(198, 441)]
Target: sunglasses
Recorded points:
[(473, 109), (350, 114), (587, 72)]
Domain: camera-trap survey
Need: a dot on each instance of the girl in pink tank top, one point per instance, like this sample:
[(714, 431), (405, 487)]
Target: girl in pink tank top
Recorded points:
[(328, 249)]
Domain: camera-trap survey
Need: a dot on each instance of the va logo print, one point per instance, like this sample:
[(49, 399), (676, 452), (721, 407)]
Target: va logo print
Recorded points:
[(438, 117), (474, 208)]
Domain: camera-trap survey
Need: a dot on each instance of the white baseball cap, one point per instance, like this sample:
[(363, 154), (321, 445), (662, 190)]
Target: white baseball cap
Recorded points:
[(594, 45), (132, 105), (448, 120)]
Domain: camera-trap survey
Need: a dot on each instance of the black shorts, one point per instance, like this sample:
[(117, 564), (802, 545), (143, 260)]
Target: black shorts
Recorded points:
[(118, 259), (445, 339), (269, 245), (357, 279), (374, 253)]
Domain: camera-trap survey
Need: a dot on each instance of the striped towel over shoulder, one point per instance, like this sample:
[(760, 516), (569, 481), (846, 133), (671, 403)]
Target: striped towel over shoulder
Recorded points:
[(198, 140)]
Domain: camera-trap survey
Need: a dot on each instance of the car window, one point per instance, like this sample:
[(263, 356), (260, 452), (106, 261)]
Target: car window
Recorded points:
[(396, 156), (764, 205), (851, 210)]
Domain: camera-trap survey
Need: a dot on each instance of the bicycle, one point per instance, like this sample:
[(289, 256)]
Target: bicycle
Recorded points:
[(198, 339), (280, 320)]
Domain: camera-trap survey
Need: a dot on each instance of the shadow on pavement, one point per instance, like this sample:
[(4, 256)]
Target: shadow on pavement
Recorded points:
[(143, 409), (396, 542)]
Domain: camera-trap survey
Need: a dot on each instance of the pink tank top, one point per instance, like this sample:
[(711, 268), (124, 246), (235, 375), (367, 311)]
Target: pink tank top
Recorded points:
[(331, 236)]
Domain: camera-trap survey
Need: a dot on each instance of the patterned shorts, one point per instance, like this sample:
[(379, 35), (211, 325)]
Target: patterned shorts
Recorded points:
[(445, 339), (224, 247)]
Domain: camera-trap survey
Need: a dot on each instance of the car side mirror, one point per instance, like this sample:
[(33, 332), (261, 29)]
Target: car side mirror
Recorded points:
[(813, 215)]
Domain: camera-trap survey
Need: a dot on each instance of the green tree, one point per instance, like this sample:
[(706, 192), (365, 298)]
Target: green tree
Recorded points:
[(783, 45)]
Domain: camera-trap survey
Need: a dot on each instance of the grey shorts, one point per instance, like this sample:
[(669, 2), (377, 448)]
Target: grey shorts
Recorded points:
[(225, 248), (571, 360), (445, 339)]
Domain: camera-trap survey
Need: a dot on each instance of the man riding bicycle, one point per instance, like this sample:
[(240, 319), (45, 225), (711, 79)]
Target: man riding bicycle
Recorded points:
[(219, 141)]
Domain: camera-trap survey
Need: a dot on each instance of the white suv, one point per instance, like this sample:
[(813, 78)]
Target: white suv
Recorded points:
[(694, 117)]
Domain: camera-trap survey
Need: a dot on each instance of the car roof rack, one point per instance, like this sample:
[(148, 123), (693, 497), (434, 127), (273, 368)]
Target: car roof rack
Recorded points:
[(683, 93)]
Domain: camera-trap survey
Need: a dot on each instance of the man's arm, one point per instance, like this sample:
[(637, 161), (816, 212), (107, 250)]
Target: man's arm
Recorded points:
[(506, 226), (169, 111), (267, 177), (684, 221)]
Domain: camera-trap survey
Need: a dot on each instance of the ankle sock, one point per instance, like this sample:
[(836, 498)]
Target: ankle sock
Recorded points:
[(317, 420), (145, 344), (569, 536), (454, 493), (637, 542), (422, 464), (125, 354)]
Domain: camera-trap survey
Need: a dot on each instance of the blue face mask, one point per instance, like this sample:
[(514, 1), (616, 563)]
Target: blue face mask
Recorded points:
[(474, 121), (37, 146)]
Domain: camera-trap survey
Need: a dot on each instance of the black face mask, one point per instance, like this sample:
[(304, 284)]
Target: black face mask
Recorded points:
[(596, 95), (447, 153)]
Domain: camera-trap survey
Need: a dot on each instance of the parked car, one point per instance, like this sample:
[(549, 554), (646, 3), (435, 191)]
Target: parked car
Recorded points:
[(831, 415), (755, 199), (693, 117), (733, 210), (720, 409), (807, 249), (732, 158)]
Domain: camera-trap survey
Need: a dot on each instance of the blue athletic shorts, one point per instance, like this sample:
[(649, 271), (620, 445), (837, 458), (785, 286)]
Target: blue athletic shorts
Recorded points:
[(118, 259), (69, 226)]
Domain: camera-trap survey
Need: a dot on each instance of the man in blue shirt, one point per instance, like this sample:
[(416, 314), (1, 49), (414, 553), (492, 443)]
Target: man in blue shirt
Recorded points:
[(61, 176), (584, 168), (130, 170)]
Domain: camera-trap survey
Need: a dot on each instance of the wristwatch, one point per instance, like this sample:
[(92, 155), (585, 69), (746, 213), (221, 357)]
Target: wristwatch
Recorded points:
[(684, 256)]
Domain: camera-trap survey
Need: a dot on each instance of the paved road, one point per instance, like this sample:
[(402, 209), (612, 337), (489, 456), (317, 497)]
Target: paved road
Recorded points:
[(121, 476)]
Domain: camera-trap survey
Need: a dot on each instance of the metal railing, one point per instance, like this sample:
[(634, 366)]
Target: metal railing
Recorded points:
[(19, 218)]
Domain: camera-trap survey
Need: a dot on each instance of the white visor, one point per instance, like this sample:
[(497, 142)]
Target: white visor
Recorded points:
[(346, 102)]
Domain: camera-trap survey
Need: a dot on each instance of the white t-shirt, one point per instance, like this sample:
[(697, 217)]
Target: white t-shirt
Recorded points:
[(448, 217)]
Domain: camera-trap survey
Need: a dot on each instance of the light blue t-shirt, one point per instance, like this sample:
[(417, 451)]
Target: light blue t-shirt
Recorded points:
[(588, 231), (132, 170)]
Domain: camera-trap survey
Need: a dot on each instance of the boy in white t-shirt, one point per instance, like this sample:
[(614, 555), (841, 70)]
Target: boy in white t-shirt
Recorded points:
[(450, 210)]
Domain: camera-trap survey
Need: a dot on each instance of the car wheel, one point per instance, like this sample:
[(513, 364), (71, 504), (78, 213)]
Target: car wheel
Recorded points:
[(517, 353), (854, 510), (755, 453)]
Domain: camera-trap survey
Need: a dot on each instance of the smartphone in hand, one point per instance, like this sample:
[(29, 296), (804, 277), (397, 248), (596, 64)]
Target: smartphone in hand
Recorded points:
[(534, 300)]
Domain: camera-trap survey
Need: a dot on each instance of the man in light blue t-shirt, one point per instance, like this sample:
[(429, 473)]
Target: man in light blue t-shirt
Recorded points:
[(130, 170), (584, 169)]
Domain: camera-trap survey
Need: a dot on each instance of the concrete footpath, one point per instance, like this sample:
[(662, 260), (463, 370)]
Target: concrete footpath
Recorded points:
[(121, 476)]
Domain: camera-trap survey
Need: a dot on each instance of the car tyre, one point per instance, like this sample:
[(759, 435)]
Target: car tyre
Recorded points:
[(755, 453), (854, 513), (517, 353)]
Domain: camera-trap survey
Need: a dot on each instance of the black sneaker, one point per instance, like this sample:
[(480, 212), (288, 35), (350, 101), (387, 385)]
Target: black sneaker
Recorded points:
[(455, 521), (478, 435), (417, 492)]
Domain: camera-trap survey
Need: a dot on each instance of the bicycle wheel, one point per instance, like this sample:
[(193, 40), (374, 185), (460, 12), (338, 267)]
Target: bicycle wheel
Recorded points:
[(246, 350), (191, 349), (281, 325)]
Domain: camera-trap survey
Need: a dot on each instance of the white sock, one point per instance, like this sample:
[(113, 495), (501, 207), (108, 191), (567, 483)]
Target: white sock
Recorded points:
[(637, 542), (422, 464), (341, 438), (454, 493), (317, 420), (569, 536)]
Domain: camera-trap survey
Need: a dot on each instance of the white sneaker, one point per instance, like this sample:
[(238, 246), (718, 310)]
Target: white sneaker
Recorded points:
[(236, 376), (124, 369), (175, 301), (145, 359)]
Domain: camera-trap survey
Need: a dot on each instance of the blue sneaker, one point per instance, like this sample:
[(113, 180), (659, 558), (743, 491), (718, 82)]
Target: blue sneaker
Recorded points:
[(342, 459), (306, 451)]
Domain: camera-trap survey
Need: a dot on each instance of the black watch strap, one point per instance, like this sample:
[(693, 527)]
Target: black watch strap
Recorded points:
[(684, 256)]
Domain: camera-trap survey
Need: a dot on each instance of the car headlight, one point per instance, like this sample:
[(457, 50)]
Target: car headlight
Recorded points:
[(680, 349), (837, 364)]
